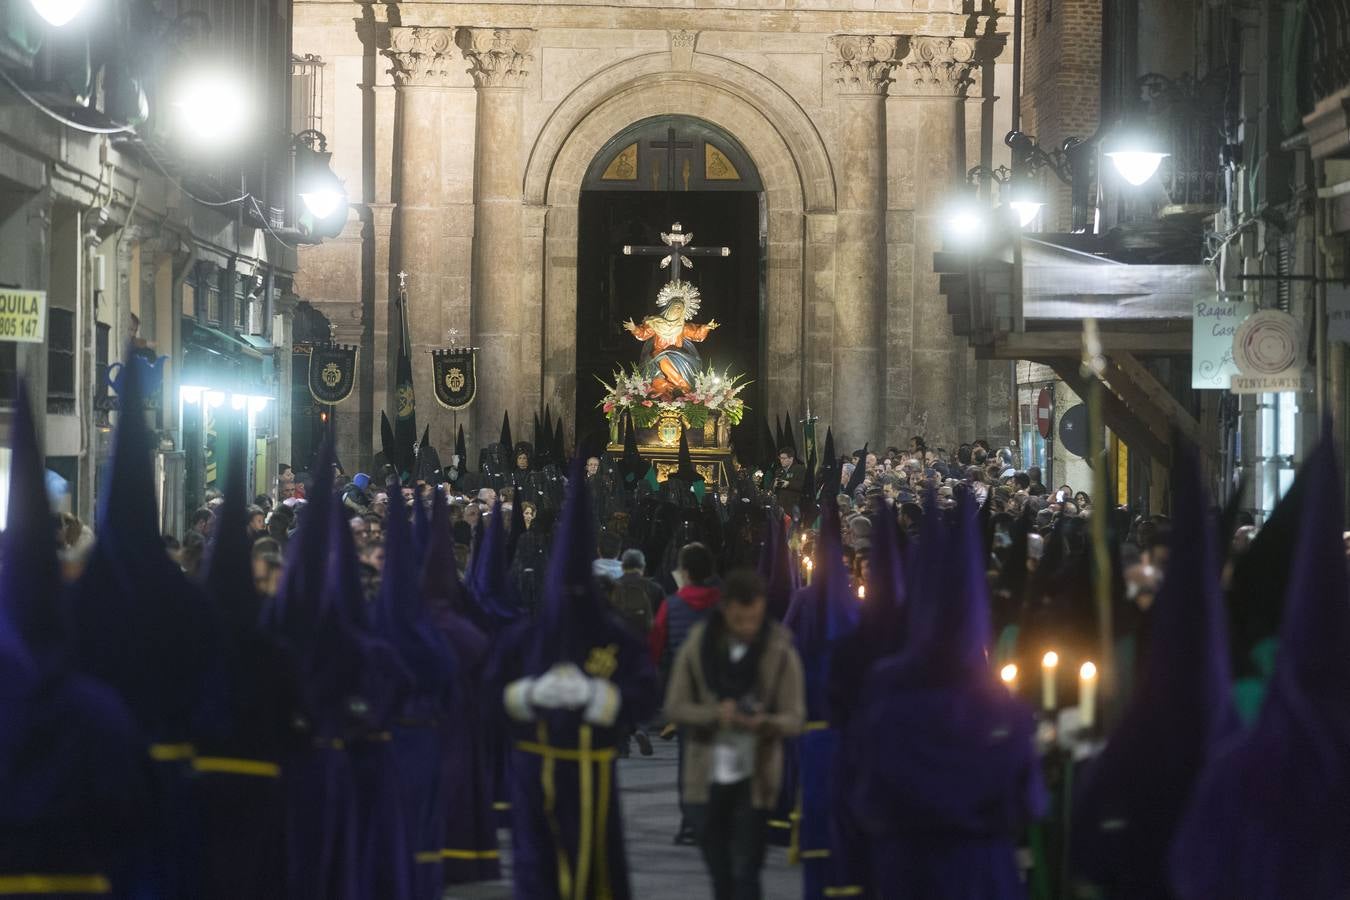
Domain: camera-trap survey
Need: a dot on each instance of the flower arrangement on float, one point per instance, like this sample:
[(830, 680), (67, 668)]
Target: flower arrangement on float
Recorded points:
[(712, 392)]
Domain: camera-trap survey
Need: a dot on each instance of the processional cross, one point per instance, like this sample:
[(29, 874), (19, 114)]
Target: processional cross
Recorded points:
[(675, 250)]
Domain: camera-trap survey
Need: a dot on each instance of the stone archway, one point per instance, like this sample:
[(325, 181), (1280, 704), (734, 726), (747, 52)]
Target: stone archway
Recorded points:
[(798, 189)]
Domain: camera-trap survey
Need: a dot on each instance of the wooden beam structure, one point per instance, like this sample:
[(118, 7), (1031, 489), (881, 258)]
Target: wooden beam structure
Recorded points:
[(1118, 417), (1069, 343)]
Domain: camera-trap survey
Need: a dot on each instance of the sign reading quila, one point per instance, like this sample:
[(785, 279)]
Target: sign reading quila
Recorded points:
[(1215, 320), (23, 316)]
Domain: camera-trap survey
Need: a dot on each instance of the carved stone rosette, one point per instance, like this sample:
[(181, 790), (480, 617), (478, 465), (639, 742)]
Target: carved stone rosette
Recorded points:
[(863, 62), (937, 67), (422, 57), (499, 57)]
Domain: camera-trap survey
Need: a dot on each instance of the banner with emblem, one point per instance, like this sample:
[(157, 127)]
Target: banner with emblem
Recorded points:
[(455, 374), (332, 372)]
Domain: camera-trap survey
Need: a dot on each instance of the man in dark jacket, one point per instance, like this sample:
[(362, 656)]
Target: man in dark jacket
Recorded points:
[(635, 597), (789, 480)]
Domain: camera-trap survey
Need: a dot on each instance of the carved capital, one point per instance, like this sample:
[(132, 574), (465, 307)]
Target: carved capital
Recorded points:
[(499, 57), (863, 62), (422, 57), (937, 67)]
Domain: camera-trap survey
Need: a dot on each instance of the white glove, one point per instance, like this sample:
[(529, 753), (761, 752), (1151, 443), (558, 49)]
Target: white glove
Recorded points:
[(574, 688), (603, 707), (516, 699), (547, 691)]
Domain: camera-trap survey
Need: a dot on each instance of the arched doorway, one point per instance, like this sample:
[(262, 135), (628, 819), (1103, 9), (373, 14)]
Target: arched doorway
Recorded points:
[(654, 173)]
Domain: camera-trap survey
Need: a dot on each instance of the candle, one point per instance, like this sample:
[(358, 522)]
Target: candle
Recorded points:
[(1009, 675), (809, 566), (862, 592), (1049, 668), (1087, 694)]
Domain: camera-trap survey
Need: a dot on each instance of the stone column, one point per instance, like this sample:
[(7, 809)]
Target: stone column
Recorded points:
[(499, 58), (927, 367), (862, 69), (425, 68)]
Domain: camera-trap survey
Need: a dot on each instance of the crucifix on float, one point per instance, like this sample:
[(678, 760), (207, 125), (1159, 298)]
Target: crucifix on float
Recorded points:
[(675, 249)]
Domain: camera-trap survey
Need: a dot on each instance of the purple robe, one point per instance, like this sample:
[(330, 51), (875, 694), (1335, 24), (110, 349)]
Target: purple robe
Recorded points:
[(75, 789), (947, 775), (565, 819), (565, 814)]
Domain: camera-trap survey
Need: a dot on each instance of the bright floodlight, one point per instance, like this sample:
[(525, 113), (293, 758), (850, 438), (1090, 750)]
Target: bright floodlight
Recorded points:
[(966, 223), (213, 109), (321, 203), (58, 12), (1136, 166), (1026, 210)]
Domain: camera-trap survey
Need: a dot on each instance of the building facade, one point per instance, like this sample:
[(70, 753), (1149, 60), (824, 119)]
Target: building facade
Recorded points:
[(494, 154), (143, 247)]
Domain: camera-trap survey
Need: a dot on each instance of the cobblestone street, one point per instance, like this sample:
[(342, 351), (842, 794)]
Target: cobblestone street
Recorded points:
[(661, 870)]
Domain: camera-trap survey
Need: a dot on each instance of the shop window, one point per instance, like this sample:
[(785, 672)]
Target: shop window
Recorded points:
[(60, 361)]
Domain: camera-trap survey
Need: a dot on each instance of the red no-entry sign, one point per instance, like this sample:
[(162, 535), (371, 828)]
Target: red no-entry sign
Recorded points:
[(1043, 405)]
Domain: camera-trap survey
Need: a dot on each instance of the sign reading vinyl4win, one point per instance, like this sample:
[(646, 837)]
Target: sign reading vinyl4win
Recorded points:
[(332, 372), (455, 374), (23, 316)]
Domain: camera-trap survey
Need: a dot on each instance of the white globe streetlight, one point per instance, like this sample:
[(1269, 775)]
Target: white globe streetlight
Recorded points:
[(58, 12), (1136, 166), (213, 109), (322, 202)]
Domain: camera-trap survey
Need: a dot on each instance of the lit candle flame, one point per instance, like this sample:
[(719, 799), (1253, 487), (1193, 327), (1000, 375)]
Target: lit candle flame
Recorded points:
[(1049, 669), (862, 592), (1087, 694), (1009, 674)]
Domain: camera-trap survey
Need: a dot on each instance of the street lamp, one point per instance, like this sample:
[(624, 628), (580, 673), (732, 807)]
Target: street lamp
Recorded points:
[(966, 222), (213, 109), (321, 192), (1136, 165), (57, 13)]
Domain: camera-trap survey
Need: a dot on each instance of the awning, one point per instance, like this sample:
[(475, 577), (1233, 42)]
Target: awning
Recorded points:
[(217, 359)]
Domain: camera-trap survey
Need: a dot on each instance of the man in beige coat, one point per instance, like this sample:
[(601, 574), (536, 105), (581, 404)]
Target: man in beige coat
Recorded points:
[(736, 690)]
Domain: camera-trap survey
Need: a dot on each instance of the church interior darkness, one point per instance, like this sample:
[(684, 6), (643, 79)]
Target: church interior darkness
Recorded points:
[(613, 287)]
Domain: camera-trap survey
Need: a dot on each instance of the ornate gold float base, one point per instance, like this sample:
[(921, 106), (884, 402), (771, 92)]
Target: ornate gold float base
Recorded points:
[(713, 463)]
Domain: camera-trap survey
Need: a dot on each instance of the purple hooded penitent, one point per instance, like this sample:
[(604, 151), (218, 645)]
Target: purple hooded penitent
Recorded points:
[(378, 685), (559, 839), (404, 621), (1270, 818), (65, 811), (823, 615), (468, 848), (1133, 795), (246, 728), (143, 628), (881, 622), (948, 774), (490, 586)]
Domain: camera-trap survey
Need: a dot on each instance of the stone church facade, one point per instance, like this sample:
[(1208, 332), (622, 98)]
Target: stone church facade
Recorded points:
[(464, 132)]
